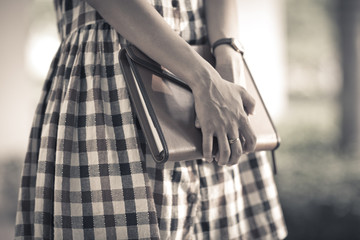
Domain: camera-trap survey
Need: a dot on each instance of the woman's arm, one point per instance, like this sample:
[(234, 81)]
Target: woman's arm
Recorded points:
[(223, 19), (140, 23), (223, 22), (214, 98)]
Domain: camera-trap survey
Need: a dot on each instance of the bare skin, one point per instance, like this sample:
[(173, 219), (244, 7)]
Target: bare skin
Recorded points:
[(218, 101), (230, 66)]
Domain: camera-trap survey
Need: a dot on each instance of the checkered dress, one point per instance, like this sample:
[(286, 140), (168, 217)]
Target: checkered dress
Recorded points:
[(88, 173)]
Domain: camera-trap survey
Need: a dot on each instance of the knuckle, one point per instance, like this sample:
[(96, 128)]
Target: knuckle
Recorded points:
[(206, 126), (225, 153), (222, 162), (207, 153), (252, 106), (233, 162), (251, 143), (252, 139), (238, 152), (243, 120), (252, 100), (241, 89), (207, 133)]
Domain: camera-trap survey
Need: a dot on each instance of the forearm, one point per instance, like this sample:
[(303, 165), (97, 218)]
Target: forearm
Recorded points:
[(139, 22), (222, 19)]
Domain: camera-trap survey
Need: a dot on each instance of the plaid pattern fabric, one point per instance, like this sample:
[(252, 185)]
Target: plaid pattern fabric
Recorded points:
[(197, 200), (88, 173)]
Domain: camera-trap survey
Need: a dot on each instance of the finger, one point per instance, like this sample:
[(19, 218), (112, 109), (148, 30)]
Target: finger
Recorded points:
[(236, 151), (249, 137), (207, 143), (248, 101), (223, 154), (197, 123), (242, 140)]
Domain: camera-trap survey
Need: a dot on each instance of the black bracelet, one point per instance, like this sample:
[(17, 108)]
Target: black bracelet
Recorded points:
[(233, 42)]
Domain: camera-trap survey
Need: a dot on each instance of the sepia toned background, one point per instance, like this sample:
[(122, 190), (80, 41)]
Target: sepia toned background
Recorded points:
[(304, 56)]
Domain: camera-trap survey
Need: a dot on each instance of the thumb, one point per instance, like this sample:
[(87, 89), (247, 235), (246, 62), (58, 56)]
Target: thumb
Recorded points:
[(248, 102)]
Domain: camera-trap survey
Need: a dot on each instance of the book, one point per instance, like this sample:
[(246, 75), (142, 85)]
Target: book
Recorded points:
[(164, 105)]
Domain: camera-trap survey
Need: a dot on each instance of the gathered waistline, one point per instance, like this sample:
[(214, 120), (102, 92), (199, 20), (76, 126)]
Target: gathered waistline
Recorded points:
[(89, 25), (187, 33)]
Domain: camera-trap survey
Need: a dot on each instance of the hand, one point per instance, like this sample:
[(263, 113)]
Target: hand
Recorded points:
[(220, 112), (230, 65)]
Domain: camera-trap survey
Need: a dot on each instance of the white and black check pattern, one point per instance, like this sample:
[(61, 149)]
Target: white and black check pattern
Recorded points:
[(87, 174)]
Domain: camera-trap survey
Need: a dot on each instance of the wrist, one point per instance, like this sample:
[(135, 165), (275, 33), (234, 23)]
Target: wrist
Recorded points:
[(226, 55), (202, 77), (232, 42), (224, 51)]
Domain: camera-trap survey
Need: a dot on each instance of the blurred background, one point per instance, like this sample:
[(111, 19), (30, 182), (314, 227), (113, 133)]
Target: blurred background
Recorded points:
[(304, 56)]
